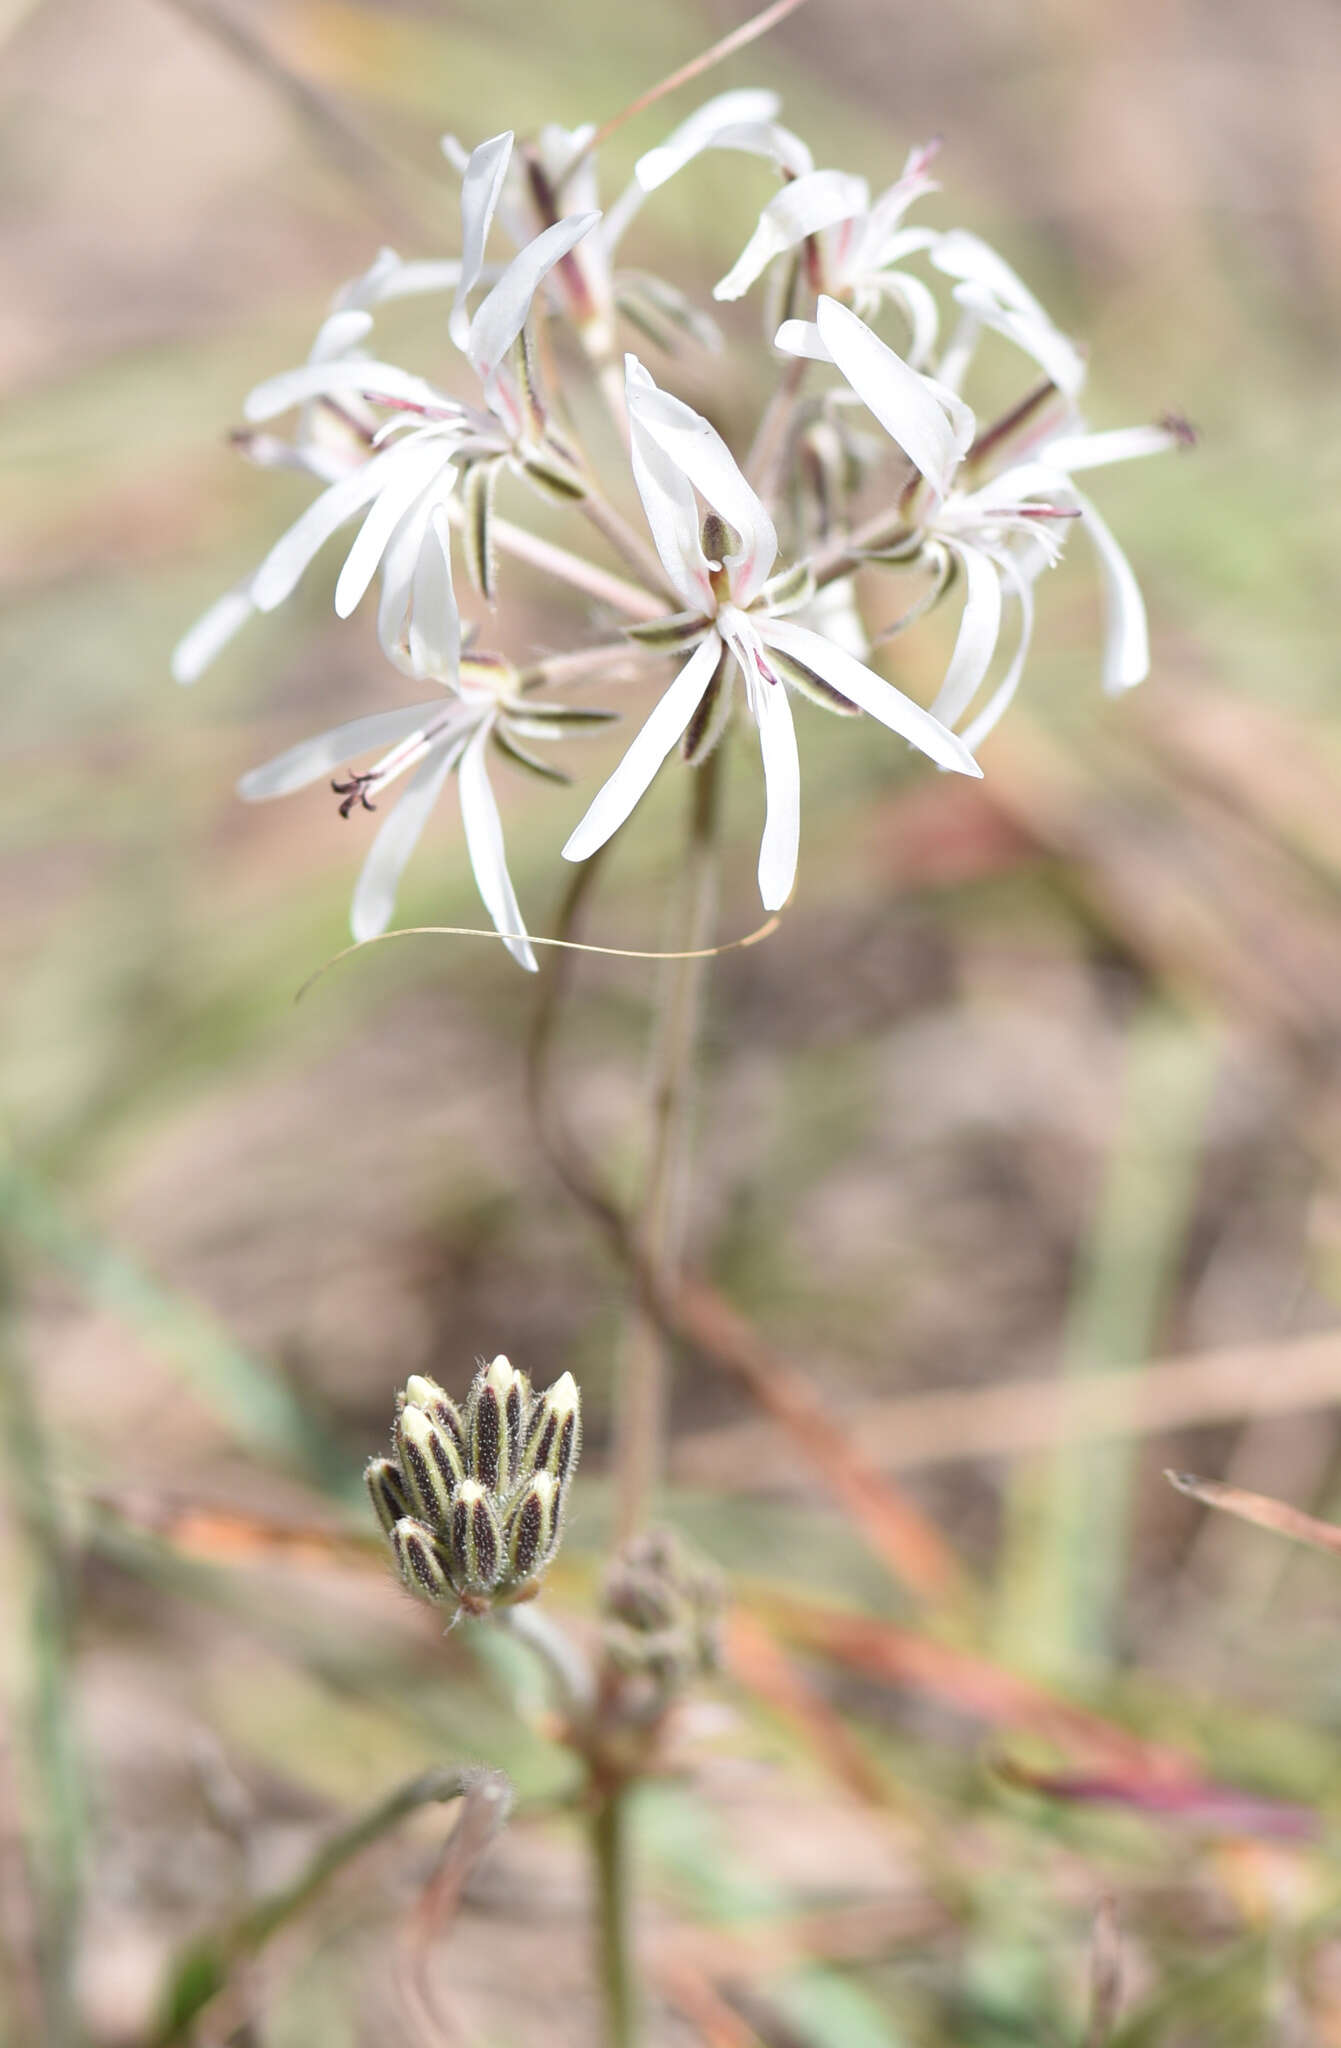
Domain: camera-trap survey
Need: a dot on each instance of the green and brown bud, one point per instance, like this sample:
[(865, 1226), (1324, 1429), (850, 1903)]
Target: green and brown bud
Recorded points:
[(472, 1498)]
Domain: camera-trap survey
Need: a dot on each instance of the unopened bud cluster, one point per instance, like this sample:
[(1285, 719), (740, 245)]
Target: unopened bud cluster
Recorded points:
[(473, 1497), (663, 1606)]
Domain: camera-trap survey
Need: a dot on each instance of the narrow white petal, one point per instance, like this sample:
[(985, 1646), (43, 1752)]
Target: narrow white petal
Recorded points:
[(802, 338), (871, 693), (481, 185), (435, 622), (977, 730), (782, 790), (502, 316), (311, 759), (620, 793), (364, 290), (683, 144), (802, 208), (419, 463), (1056, 355), (668, 501), (918, 305), (211, 633), (1126, 635), (287, 559), (340, 376), (488, 858), (394, 603), (698, 450), (979, 631), (913, 410), (1119, 444), (343, 331), (965, 256), (375, 893), (410, 280)]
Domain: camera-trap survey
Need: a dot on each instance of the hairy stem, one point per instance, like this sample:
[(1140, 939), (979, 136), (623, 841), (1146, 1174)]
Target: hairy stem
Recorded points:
[(641, 558), (764, 463), (582, 575), (640, 1420), (614, 1925)]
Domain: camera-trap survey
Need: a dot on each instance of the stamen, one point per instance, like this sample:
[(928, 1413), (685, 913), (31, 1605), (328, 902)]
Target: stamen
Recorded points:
[(355, 791), (1182, 429)]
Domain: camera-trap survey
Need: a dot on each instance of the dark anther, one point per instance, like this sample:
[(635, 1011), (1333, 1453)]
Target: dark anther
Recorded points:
[(1182, 429), (355, 791)]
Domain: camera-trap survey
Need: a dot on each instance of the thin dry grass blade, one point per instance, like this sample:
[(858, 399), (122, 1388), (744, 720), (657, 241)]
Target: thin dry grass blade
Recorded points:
[(1260, 1509)]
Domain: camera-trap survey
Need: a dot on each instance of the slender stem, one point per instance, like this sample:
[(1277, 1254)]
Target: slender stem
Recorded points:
[(850, 550), (640, 1423), (570, 1671), (641, 558), (610, 1855), (763, 464), (585, 576)]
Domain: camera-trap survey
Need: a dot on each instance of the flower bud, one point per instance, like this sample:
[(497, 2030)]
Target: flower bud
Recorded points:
[(476, 1544), (431, 1464), (496, 1418), (555, 1434), (422, 1392), (422, 1565), (532, 1527), (382, 1477)]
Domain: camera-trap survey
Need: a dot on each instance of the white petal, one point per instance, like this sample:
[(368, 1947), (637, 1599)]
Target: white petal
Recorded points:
[(979, 631), (419, 463), (918, 305), (700, 453), (960, 254), (410, 280), (1120, 444), (1126, 635), (502, 316), (481, 184), (292, 552), (211, 633), (311, 759), (913, 410), (871, 693), (435, 622), (782, 790), (620, 793), (1056, 355), (683, 144), (801, 338), (801, 208), (484, 844), (343, 331), (344, 374), (375, 893), (977, 730), (669, 503)]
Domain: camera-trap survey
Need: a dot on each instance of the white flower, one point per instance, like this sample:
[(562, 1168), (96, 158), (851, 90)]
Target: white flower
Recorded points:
[(410, 468), (852, 244), (484, 707), (720, 566), (1000, 530)]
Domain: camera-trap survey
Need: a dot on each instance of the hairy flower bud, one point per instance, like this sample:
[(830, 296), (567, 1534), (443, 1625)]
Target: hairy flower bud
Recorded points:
[(431, 1464), (531, 1530), (472, 1500), (422, 1564), (476, 1541), (555, 1434), (386, 1487)]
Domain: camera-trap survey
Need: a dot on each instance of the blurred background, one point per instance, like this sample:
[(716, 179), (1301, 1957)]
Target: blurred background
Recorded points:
[(1018, 1140)]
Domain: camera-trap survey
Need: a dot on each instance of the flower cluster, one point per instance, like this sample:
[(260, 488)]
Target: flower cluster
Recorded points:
[(472, 1499), (881, 469)]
